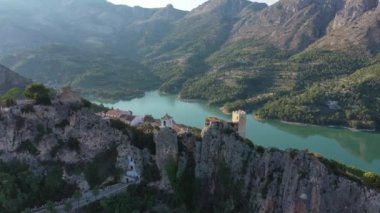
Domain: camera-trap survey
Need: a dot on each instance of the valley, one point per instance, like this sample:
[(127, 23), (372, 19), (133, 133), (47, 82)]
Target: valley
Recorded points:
[(236, 54), (56, 142), (357, 149), (112, 108)]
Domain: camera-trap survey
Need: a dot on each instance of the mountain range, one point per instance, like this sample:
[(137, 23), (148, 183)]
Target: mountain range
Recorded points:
[(235, 53)]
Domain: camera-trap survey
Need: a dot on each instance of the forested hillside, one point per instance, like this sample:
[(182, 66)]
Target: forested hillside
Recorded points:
[(236, 54)]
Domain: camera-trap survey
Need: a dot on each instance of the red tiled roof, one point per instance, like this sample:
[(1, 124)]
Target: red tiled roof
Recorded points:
[(116, 113)]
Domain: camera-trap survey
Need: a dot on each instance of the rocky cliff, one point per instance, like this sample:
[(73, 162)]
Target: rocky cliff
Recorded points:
[(288, 24), (354, 25), (214, 171), (272, 180), (69, 134), (221, 172), (295, 25)]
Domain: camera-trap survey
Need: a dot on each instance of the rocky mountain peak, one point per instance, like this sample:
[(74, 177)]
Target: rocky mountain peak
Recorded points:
[(351, 10), (168, 13), (354, 25), (224, 7), (169, 6), (289, 24)]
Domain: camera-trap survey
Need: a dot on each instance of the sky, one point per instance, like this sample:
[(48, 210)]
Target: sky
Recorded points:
[(179, 4)]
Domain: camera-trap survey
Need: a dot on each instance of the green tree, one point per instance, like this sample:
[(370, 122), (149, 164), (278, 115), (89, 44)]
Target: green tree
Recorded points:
[(68, 207), (369, 178), (10, 102), (39, 93), (95, 191), (50, 207)]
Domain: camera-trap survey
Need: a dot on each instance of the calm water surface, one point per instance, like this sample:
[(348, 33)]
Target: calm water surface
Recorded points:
[(358, 149)]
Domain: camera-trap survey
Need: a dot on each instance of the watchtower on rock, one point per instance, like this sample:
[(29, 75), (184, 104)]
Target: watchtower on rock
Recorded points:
[(239, 118)]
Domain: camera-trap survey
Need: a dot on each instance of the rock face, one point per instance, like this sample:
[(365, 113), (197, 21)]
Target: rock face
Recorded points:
[(10, 79), (67, 133), (166, 152), (277, 181), (233, 174), (288, 24), (224, 7), (355, 24), (352, 10)]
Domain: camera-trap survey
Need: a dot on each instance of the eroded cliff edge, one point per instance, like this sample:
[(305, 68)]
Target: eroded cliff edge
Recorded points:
[(272, 180)]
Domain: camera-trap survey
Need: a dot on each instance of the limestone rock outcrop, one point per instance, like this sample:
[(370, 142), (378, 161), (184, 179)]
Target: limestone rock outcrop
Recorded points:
[(166, 152), (67, 133), (277, 181)]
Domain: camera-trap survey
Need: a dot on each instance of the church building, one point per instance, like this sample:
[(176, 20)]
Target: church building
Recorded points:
[(166, 121)]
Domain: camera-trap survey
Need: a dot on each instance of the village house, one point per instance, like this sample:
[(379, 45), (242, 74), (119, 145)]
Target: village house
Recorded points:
[(333, 105), (124, 116), (118, 114), (69, 96), (4, 109), (131, 174)]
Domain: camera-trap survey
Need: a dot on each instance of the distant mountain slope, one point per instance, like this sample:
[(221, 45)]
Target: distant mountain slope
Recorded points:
[(288, 24), (183, 53), (350, 101), (100, 75), (10, 79), (332, 24), (355, 25), (94, 45), (235, 53), (287, 48), (91, 24)]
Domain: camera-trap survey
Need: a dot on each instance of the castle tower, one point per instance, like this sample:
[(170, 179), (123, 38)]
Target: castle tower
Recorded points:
[(239, 117)]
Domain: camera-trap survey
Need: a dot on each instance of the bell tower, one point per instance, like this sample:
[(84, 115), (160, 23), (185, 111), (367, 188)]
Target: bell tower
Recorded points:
[(239, 117)]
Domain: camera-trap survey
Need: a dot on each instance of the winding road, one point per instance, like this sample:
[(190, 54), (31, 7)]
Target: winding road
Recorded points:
[(85, 199)]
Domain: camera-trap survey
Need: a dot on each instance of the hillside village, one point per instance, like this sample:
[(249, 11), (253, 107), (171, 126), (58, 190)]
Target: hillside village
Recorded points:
[(301, 62), (238, 122), (67, 132), (114, 149)]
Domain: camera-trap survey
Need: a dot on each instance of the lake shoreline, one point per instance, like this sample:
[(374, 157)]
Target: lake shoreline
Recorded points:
[(328, 126), (226, 112), (359, 149)]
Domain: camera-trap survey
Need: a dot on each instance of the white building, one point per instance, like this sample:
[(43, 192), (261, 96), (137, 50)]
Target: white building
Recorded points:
[(132, 174), (4, 109), (137, 120), (166, 121), (239, 117)]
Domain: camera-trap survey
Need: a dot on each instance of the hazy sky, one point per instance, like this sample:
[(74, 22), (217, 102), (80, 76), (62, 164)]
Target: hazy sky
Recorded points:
[(179, 4)]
